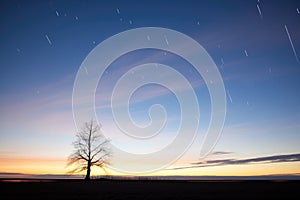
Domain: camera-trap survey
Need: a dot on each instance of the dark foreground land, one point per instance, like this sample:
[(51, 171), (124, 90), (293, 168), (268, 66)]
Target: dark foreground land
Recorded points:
[(143, 189)]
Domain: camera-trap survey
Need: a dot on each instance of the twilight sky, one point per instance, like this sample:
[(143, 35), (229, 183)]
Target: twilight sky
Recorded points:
[(255, 45)]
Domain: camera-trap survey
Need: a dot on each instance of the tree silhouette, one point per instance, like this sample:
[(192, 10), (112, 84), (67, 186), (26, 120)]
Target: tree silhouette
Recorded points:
[(90, 149)]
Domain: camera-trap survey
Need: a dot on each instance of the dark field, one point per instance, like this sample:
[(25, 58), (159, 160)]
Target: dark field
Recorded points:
[(143, 189)]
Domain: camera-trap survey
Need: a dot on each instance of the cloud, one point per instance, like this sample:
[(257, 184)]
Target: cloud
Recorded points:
[(49, 111), (109, 80), (257, 160), (221, 153)]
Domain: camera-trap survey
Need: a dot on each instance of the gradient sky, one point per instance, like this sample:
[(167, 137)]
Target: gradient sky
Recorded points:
[(255, 44)]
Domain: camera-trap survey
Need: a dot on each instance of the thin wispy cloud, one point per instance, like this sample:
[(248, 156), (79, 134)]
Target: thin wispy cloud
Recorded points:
[(42, 112), (109, 80), (221, 153), (256, 160)]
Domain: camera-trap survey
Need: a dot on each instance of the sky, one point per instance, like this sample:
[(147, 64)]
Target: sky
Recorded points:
[(254, 44)]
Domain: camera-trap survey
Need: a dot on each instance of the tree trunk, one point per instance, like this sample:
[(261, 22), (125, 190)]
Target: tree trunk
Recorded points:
[(88, 171)]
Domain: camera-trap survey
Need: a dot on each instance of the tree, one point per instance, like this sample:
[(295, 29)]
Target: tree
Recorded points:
[(90, 149)]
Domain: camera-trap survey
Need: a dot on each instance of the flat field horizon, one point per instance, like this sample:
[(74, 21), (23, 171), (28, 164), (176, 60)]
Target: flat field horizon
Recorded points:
[(147, 189)]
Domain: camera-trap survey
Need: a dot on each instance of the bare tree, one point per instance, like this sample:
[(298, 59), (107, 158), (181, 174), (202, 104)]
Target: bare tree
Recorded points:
[(90, 149)]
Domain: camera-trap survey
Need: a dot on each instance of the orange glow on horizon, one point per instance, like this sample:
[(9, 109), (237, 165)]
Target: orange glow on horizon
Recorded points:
[(58, 166), (33, 165)]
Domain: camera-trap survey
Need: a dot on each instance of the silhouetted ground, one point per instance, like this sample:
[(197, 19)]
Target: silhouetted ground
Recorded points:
[(143, 189)]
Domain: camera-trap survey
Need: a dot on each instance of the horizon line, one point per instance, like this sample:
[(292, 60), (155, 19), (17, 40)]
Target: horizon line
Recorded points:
[(24, 176)]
